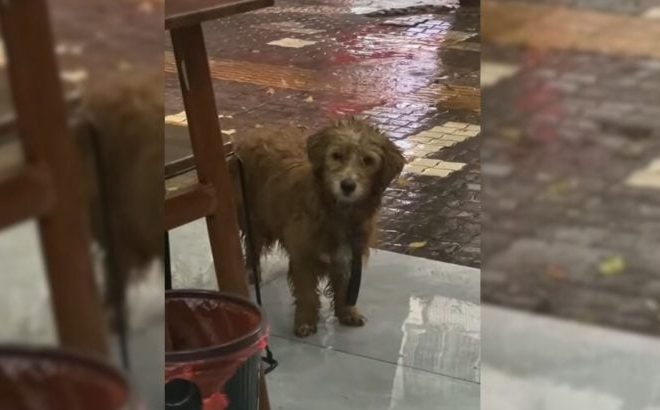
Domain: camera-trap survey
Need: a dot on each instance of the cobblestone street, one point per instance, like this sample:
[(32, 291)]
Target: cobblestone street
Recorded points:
[(571, 160), (413, 70)]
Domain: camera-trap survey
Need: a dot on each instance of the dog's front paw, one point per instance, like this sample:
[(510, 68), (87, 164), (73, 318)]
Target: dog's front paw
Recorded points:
[(305, 329), (352, 317)]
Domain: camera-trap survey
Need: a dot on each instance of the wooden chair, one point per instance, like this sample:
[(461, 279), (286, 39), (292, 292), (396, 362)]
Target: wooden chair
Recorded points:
[(48, 185), (210, 195)]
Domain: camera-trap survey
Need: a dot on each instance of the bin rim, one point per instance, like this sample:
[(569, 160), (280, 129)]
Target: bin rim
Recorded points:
[(224, 349), (55, 355)]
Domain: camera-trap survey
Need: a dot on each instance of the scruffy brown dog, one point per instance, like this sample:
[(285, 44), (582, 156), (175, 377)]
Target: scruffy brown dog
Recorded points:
[(119, 130), (125, 114), (315, 199)]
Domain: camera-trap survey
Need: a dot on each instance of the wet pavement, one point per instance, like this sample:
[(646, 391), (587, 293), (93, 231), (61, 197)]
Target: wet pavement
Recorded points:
[(570, 163), (410, 70), (541, 363), (421, 345)]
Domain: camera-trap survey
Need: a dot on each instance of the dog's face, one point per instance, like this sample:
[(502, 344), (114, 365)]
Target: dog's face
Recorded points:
[(354, 160)]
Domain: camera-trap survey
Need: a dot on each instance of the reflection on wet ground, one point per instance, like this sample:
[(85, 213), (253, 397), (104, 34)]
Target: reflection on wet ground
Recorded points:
[(409, 70), (541, 363), (572, 187)]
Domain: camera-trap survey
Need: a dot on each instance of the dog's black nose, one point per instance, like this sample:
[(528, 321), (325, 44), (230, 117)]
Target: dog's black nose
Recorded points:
[(348, 186)]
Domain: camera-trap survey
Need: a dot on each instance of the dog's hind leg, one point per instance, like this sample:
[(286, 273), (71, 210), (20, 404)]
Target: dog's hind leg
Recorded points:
[(304, 276)]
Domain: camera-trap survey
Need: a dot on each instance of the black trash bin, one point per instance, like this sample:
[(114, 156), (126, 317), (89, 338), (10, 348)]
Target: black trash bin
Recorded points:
[(214, 341)]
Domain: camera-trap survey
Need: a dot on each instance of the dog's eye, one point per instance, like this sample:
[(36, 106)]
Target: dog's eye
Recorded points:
[(368, 161), (337, 156)]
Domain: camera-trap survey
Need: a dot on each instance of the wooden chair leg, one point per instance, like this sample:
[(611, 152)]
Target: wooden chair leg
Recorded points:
[(210, 159), (199, 102)]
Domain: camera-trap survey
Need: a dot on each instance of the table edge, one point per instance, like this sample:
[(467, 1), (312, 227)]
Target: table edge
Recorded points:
[(188, 19)]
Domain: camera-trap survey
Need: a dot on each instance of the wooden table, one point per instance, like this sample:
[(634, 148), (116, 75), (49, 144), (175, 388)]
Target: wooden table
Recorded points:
[(212, 195)]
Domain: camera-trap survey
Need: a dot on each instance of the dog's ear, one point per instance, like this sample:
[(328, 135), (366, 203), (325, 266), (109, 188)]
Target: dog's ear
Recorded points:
[(317, 145), (392, 164)]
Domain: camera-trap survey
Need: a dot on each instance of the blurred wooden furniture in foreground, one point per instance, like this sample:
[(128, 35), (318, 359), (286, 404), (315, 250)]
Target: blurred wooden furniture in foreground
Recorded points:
[(48, 184)]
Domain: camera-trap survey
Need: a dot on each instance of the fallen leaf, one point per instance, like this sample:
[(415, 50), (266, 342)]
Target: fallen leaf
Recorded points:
[(270, 91), (612, 266), (229, 132), (417, 245), (309, 99)]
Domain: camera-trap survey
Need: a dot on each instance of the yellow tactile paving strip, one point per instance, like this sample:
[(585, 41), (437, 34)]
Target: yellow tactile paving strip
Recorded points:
[(267, 75), (433, 167), (562, 28), (277, 77), (433, 140)]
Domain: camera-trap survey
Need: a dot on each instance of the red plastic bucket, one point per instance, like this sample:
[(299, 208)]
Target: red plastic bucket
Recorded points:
[(208, 336), (48, 379)]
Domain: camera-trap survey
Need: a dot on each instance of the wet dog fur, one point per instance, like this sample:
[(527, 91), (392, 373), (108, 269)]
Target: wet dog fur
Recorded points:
[(119, 130), (314, 197)]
